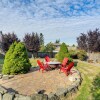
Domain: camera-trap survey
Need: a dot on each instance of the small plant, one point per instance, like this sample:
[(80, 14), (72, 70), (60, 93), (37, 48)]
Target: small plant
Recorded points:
[(16, 60)]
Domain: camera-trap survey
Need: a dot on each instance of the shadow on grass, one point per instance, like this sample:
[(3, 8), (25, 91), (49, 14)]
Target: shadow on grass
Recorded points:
[(95, 90)]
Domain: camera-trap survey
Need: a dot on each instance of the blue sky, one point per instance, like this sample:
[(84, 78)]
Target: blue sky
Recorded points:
[(56, 19)]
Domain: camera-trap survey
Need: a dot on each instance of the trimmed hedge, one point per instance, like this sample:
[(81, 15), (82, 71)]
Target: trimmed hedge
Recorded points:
[(16, 60)]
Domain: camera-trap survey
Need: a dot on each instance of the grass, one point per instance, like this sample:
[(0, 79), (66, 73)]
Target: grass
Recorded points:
[(34, 61), (88, 72)]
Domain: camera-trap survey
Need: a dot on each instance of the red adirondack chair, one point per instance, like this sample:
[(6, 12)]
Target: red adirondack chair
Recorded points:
[(67, 69), (47, 59), (65, 61), (43, 66)]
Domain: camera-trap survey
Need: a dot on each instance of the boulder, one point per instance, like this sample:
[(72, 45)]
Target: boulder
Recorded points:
[(52, 96), (2, 90), (61, 92), (0, 96), (39, 97), (11, 76), (8, 96), (22, 97), (5, 77), (1, 76)]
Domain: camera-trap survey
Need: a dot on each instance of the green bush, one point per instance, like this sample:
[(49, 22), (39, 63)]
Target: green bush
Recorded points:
[(96, 88), (73, 54), (63, 53), (82, 55), (16, 60)]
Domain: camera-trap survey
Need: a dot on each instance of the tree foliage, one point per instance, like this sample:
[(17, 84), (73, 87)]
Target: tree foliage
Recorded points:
[(32, 42), (41, 39), (57, 41), (6, 40), (89, 42), (16, 60), (49, 47), (63, 53)]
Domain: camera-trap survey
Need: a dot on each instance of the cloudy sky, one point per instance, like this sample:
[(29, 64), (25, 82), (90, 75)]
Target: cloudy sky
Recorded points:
[(56, 19)]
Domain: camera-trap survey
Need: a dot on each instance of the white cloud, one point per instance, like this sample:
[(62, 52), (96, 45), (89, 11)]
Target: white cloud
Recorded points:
[(50, 18)]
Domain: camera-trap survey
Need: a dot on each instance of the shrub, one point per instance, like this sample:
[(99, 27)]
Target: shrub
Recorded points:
[(73, 54), (63, 53), (16, 60), (82, 55), (96, 88)]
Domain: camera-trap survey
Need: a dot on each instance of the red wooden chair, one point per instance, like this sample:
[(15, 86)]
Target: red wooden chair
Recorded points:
[(47, 59), (65, 61), (67, 69), (42, 66)]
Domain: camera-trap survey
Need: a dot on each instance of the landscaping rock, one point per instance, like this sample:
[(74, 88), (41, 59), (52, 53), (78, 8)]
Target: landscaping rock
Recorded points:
[(21, 97), (11, 76), (1, 76), (2, 90), (8, 96), (61, 92), (39, 97), (52, 96), (5, 77), (0, 96)]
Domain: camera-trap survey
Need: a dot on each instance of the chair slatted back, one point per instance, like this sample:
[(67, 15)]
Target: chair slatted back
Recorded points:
[(64, 62), (71, 64), (47, 59), (40, 64)]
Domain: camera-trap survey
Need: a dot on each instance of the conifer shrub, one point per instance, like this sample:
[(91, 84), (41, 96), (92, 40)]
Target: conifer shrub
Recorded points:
[(63, 53), (16, 60)]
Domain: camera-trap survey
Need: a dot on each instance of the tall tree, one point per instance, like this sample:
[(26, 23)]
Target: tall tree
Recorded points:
[(49, 47), (57, 41), (41, 39), (89, 42), (7, 39), (32, 42)]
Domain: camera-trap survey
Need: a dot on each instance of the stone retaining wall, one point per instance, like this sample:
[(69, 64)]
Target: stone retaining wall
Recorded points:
[(61, 93), (6, 77)]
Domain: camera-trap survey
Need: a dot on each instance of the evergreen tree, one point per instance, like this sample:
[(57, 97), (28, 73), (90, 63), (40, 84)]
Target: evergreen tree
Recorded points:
[(57, 41), (63, 53), (41, 39), (16, 60)]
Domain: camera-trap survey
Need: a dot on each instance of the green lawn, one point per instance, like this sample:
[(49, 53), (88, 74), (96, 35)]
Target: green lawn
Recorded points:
[(89, 73)]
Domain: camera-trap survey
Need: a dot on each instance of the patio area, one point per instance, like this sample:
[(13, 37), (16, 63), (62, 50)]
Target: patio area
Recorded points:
[(36, 81)]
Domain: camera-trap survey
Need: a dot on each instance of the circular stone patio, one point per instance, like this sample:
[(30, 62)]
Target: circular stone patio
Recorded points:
[(35, 81)]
